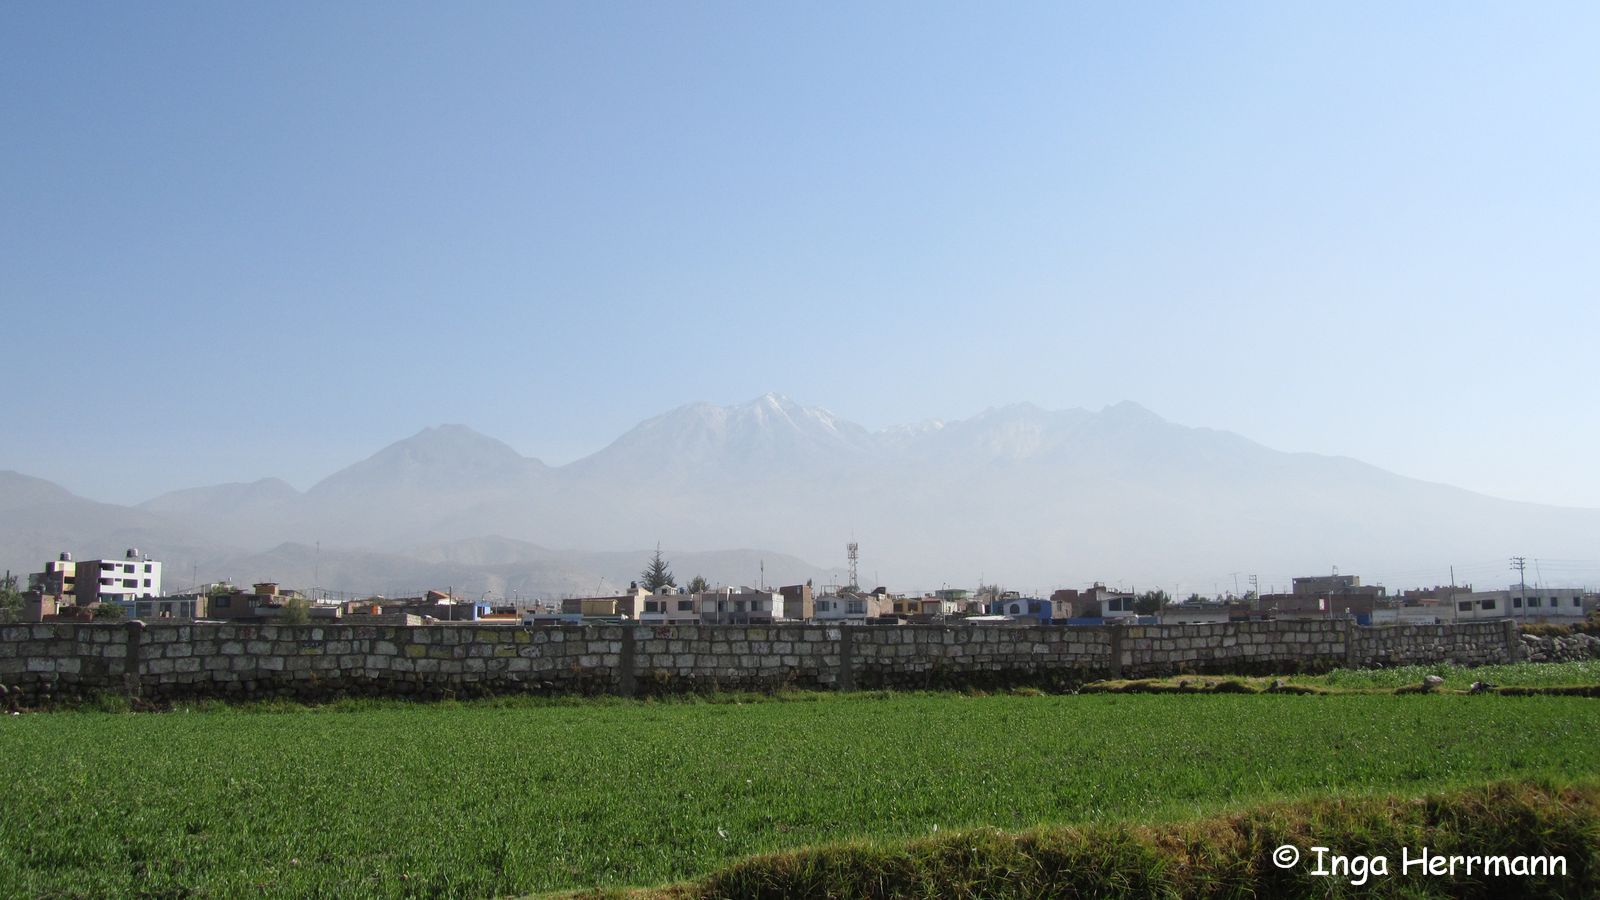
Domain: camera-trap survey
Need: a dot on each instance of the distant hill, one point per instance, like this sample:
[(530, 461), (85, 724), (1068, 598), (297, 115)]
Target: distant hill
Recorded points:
[(224, 501), (1027, 496)]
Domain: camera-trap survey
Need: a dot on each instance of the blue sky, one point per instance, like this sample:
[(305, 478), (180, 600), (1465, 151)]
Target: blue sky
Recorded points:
[(288, 234)]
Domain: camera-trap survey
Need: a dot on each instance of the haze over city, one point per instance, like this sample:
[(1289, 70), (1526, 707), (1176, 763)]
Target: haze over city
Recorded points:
[(269, 242)]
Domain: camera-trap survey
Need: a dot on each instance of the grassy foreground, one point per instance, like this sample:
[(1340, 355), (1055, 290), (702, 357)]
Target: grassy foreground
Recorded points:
[(1557, 674), (1221, 856), (515, 797), (1577, 678)]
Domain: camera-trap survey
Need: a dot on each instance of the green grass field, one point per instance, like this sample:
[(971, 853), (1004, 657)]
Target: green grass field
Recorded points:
[(1522, 678), (522, 796), (1586, 672)]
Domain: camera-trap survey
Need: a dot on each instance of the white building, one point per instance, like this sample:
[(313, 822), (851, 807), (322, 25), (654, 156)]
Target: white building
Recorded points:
[(122, 581), (670, 606), (1434, 614), (745, 606), (848, 607), (1542, 605), (1117, 606)]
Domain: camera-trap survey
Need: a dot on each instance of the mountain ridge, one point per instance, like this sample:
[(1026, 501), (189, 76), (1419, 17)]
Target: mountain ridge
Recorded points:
[(1047, 495)]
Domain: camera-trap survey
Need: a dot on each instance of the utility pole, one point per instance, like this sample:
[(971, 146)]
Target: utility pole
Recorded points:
[(1520, 563)]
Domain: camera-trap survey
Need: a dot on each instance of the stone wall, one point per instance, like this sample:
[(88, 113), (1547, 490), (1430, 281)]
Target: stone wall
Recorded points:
[(1242, 648), (681, 658), (925, 656), (1467, 643), (1560, 648), (157, 662)]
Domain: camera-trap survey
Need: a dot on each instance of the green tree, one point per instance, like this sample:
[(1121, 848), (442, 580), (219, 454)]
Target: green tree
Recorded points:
[(296, 611), (10, 597), (1150, 602), (657, 574), (698, 584), (109, 612)]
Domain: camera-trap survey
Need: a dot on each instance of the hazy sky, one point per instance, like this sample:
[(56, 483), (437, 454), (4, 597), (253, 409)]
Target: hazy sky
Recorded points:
[(247, 240)]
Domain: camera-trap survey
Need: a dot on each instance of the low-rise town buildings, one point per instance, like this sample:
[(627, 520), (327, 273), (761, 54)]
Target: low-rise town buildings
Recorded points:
[(86, 582)]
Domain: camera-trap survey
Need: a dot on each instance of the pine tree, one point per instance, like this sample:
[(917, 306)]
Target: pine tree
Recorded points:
[(657, 574), (698, 585)]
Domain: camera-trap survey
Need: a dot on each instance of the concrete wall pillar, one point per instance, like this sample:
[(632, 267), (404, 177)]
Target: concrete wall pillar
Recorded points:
[(847, 677), (627, 665), (132, 685)]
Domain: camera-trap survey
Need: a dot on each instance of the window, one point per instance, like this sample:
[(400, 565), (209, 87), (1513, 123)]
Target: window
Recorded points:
[(738, 606), (107, 567), (858, 607), (1489, 603), (128, 568), (147, 568), (105, 582), (1464, 606), (147, 582), (685, 606), (1516, 602), (222, 602), (1533, 602)]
